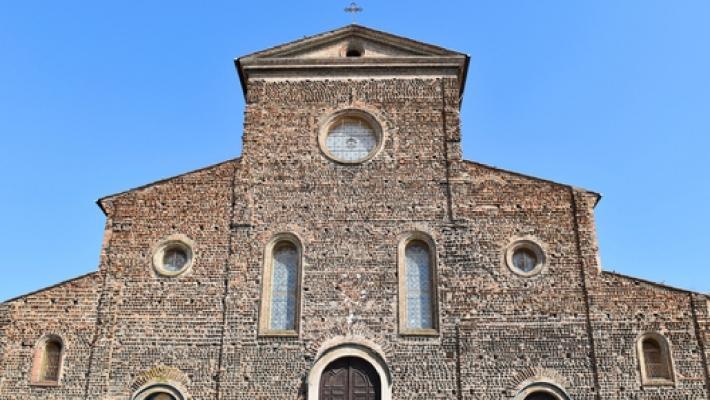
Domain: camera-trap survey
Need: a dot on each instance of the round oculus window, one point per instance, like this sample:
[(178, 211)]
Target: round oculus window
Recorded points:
[(351, 138), (173, 256), (174, 259), (525, 257)]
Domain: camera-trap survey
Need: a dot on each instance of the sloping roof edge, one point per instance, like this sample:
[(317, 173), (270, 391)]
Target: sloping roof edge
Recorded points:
[(378, 35), (100, 201), (480, 164), (652, 283), (44, 289), (354, 29)]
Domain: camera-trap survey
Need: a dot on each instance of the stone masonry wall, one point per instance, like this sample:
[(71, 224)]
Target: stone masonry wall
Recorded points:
[(67, 310), (623, 309), (569, 325), (349, 219), (155, 321), (513, 328)]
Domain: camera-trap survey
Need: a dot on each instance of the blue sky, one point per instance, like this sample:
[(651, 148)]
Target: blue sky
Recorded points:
[(612, 96)]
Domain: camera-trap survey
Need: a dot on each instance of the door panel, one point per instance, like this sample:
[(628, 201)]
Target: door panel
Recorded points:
[(349, 379)]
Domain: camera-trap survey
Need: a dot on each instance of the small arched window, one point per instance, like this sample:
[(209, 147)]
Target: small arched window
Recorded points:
[(655, 359), (417, 277), (47, 364), (281, 294)]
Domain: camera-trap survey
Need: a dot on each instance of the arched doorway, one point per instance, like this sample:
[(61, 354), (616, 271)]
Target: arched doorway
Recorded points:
[(542, 390), (161, 396), (159, 392), (541, 396), (350, 378)]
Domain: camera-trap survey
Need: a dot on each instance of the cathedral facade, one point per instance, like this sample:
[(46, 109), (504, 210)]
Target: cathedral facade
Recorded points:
[(351, 253)]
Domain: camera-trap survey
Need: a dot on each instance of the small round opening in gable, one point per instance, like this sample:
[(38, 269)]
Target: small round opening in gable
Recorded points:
[(173, 256), (525, 258), (354, 49), (175, 259)]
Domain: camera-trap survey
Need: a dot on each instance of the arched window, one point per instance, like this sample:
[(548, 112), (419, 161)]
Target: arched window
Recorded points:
[(47, 365), (655, 359), (417, 285), (282, 287)]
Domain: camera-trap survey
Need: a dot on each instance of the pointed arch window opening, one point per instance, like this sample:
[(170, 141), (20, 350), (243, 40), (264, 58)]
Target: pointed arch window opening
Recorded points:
[(418, 313), (47, 363), (281, 288), (51, 362), (419, 285), (284, 286), (656, 362)]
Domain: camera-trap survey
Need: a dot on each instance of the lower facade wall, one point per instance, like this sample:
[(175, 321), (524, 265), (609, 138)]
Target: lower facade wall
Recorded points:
[(483, 357)]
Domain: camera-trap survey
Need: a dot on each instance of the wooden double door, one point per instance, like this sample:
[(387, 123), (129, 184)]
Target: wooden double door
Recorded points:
[(349, 378)]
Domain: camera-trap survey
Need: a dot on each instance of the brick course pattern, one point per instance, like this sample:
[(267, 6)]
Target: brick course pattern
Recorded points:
[(572, 325)]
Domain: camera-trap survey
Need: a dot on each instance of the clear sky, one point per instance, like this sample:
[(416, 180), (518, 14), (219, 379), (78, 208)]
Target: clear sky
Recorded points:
[(97, 97)]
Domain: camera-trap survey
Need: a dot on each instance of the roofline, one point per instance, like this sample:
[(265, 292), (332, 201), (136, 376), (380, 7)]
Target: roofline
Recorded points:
[(239, 65), (657, 284), (351, 27), (598, 195), (242, 78), (100, 201), (464, 75), (49, 287)]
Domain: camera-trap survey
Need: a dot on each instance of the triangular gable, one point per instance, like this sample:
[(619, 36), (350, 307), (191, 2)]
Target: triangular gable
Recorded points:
[(374, 43)]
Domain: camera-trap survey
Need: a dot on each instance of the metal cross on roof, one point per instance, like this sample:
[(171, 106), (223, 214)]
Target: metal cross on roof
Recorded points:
[(353, 9)]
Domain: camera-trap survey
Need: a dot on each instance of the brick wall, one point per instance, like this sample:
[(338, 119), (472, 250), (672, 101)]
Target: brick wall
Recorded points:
[(67, 310), (625, 308), (570, 324)]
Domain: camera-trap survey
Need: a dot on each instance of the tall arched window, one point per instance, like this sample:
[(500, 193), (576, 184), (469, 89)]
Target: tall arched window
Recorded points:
[(655, 359), (282, 287), (47, 364), (417, 285)]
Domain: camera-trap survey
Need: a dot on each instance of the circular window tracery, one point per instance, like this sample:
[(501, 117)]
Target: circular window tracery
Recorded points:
[(350, 137), (175, 259), (525, 258), (173, 256)]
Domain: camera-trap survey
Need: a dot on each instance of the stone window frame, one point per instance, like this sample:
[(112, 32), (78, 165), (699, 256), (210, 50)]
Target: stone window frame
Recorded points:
[(158, 252), (333, 118), (38, 360), (265, 306), (666, 355), (404, 240), (528, 243)]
